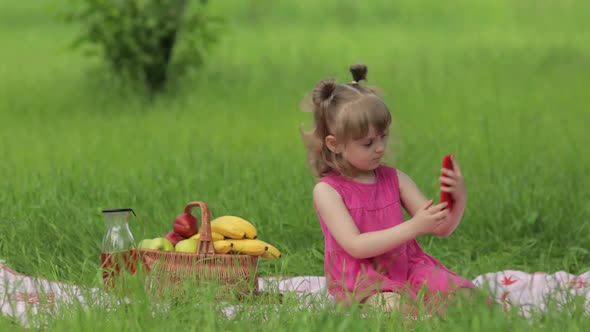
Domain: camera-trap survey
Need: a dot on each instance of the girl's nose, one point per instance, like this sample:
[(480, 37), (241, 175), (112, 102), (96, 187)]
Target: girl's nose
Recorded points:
[(380, 146)]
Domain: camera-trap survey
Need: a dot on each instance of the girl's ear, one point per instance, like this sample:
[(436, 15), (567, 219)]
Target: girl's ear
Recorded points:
[(332, 144)]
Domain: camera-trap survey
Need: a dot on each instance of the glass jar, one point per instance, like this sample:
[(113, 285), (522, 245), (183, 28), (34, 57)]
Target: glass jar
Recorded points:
[(118, 252)]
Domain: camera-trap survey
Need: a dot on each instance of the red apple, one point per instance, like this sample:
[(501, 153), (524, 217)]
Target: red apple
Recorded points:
[(185, 223), (173, 237)]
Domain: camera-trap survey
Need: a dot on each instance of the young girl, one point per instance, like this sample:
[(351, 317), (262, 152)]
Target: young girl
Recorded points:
[(371, 255)]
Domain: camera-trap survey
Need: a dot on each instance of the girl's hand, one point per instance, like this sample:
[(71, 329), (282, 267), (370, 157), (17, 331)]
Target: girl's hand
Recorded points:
[(429, 217), (454, 182)]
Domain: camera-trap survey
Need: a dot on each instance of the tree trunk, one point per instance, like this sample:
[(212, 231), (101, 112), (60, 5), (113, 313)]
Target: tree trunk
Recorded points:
[(156, 74)]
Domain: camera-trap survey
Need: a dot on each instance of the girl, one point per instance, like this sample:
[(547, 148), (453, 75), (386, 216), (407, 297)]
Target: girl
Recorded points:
[(371, 255)]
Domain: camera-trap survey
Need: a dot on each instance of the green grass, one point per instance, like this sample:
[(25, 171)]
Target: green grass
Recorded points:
[(501, 84)]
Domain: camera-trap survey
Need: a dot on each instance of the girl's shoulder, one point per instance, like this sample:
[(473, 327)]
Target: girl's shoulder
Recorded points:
[(389, 172), (402, 180), (327, 186), (332, 179)]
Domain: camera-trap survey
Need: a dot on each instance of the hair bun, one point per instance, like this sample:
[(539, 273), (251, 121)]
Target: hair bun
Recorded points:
[(359, 72), (323, 91)]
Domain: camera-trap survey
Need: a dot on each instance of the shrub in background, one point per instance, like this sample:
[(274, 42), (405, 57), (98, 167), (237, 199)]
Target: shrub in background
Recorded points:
[(149, 41)]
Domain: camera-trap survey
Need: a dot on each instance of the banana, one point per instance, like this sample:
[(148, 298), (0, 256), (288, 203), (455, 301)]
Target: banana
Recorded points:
[(240, 223), (248, 246), (222, 246), (227, 229), (214, 236), (271, 251)]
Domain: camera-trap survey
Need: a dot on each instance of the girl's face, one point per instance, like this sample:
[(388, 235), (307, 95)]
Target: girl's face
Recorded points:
[(365, 154)]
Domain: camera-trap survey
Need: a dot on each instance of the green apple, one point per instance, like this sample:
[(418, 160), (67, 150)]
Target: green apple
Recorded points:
[(161, 243), (188, 245), (144, 244)]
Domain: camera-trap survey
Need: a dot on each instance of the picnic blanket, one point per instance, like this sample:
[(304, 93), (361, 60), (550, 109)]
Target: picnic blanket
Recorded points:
[(23, 297)]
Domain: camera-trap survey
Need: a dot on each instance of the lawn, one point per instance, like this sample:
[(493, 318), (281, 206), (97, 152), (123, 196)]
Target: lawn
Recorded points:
[(503, 85)]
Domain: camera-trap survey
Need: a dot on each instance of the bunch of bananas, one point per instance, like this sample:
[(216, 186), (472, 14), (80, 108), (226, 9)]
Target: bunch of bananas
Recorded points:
[(235, 235)]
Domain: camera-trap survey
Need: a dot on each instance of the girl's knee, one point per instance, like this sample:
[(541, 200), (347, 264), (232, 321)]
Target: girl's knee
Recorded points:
[(387, 301)]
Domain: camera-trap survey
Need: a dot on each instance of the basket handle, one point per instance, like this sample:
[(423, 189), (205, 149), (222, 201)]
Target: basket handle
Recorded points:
[(205, 245)]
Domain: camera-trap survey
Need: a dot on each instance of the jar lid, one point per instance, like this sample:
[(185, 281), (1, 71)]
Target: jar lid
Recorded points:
[(119, 210)]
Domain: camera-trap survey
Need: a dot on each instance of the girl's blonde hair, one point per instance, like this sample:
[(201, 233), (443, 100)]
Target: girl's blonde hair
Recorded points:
[(346, 111)]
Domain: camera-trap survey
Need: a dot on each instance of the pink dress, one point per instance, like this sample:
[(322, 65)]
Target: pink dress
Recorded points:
[(404, 269)]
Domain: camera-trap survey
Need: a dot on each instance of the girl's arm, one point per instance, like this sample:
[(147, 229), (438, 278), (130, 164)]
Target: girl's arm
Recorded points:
[(456, 186), (453, 219), (412, 198), (342, 227)]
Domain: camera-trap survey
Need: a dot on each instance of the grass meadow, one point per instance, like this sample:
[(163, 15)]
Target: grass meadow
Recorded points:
[(503, 85)]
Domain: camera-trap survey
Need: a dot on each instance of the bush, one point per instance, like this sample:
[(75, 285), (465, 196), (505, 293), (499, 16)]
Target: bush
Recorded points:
[(148, 41)]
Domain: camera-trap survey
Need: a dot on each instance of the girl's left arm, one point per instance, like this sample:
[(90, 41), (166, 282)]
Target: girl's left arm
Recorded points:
[(455, 185)]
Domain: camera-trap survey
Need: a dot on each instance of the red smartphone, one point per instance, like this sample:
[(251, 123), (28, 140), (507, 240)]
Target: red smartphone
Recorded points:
[(446, 197)]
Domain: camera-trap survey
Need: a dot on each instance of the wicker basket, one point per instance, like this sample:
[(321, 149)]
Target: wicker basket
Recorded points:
[(168, 271)]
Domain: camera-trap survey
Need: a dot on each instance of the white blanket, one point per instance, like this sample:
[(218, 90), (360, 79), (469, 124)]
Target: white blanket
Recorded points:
[(23, 297)]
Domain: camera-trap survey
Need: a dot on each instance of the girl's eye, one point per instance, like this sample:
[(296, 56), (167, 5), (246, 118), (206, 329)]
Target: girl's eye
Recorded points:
[(369, 143)]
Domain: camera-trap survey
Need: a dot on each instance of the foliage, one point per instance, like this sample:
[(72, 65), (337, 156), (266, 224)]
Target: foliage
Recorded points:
[(148, 41)]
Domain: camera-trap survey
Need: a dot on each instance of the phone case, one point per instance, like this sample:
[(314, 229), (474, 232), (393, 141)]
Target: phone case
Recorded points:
[(446, 197)]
